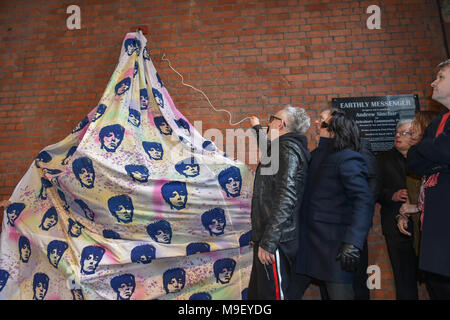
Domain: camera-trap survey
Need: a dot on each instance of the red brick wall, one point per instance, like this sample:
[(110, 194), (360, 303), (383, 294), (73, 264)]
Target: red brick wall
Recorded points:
[(248, 57)]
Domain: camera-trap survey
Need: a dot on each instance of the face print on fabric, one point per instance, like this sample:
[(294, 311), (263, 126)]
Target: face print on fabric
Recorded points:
[(182, 124), (134, 117), (4, 276), (158, 97), (100, 111), (188, 167), (69, 155), (244, 240), (162, 126), (146, 54), (214, 221), (87, 211), (13, 211), (208, 146), (75, 228), (45, 184), (132, 46), (175, 194), (111, 137), (77, 294), (40, 286), (42, 157), (137, 172), (197, 247), (81, 125), (124, 285), (231, 181), (123, 86), (143, 96), (110, 234), (62, 196), (200, 296), (90, 259), (121, 207), (174, 280), (143, 254), (224, 269), (55, 251), (153, 149), (84, 172), (160, 231), (49, 220), (24, 249)]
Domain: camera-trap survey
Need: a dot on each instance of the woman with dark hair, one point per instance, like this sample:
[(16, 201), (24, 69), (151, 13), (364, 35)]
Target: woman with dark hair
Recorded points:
[(343, 131), (337, 208)]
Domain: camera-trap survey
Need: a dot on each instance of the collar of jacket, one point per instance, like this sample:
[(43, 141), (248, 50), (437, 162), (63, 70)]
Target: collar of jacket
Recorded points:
[(323, 142), (398, 153), (298, 138)]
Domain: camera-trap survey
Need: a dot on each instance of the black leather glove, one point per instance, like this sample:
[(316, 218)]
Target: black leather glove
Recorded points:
[(349, 256)]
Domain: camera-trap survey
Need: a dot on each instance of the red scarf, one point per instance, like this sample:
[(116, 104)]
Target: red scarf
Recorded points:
[(432, 179)]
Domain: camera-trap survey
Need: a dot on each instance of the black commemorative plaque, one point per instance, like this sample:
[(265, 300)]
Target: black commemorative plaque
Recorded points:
[(377, 117)]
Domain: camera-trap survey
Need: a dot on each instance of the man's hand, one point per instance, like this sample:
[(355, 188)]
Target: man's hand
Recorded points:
[(349, 256), (254, 121), (265, 257), (400, 195), (408, 209), (402, 224)]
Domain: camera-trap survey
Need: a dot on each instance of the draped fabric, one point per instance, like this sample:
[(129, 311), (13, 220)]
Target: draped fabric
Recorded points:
[(133, 204)]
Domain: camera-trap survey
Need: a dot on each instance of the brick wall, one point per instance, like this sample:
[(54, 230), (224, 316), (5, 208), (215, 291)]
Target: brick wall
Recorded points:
[(445, 9), (248, 57)]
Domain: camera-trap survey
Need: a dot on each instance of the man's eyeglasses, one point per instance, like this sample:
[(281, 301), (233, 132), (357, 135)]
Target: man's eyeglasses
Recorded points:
[(403, 133), (274, 118)]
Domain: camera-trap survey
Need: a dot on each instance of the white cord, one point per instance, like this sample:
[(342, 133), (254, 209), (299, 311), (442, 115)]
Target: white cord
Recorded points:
[(198, 90)]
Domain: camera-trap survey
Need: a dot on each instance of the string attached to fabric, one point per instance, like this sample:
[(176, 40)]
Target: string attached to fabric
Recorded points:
[(198, 90)]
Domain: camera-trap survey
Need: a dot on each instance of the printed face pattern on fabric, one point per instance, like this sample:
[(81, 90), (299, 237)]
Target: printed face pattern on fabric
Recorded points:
[(162, 126), (214, 221), (40, 286), (124, 285), (90, 259), (175, 194), (158, 98), (224, 269), (154, 150), (230, 180), (143, 254), (55, 251), (188, 167), (24, 249), (13, 212), (137, 172)]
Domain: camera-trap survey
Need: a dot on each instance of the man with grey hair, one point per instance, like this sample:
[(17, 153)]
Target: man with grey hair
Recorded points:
[(392, 193), (431, 158), (277, 196)]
